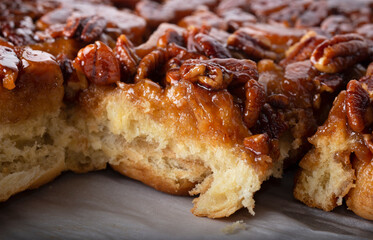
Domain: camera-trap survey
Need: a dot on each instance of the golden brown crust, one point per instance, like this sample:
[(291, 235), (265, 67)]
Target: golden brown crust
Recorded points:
[(31, 179), (154, 179), (29, 160), (360, 198), (47, 176)]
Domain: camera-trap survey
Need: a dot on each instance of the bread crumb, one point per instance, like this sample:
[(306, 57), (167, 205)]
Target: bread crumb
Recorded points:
[(235, 227), (339, 201)]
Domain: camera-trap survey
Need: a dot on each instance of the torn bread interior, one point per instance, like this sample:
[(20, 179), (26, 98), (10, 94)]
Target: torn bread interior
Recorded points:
[(339, 166)]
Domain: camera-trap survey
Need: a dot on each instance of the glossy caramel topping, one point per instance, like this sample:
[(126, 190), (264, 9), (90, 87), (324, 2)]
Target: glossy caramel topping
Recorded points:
[(37, 89), (98, 63), (8, 67)]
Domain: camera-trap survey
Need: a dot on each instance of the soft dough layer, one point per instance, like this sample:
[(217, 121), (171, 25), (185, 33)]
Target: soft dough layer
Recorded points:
[(175, 140), (327, 175), (29, 157)]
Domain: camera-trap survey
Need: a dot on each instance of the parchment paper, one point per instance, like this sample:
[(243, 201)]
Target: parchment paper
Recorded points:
[(106, 205)]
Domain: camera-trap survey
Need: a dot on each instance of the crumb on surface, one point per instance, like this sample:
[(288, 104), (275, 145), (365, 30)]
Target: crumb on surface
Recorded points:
[(234, 227)]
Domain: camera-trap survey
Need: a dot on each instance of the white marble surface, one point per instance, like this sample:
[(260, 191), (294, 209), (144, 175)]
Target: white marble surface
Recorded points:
[(106, 205)]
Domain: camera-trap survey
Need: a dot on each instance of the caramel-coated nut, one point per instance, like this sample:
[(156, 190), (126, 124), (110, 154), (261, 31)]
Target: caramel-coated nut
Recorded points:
[(357, 103), (340, 53), (85, 28), (124, 52), (152, 61), (258, 144), (8, 67), (217, 74), (98, 63), (255, 99), (254, 48), (303, 49)]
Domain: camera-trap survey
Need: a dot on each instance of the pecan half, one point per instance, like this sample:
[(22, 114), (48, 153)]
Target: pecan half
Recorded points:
[(367, 83), (253, 48), (258, 144), (98, 63), (303, 49), (8, 67), (217, 74), (227, 5), (85, 28), (255, 99), (326, 82), (237, 18), (170, 36), (357, 103), (340, 53), (154, 13), (178, 55), (182, 54), (206, 73), (173, 75), (205, 44), (153, 61), (337, 24), (280, 37), (270, 121), (154, 41), (315, 13), (288, 15), (278, 101), (201, 18), (168, 11), (267, 7), (124, 52)]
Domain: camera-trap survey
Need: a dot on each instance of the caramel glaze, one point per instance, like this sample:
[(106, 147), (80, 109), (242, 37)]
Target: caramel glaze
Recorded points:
[(61, 48), (38, 85), (278, 35), (196, 113), (338, 120)]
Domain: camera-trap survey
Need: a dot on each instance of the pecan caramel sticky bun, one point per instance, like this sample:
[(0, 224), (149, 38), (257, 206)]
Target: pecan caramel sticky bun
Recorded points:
[(206, 98)]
